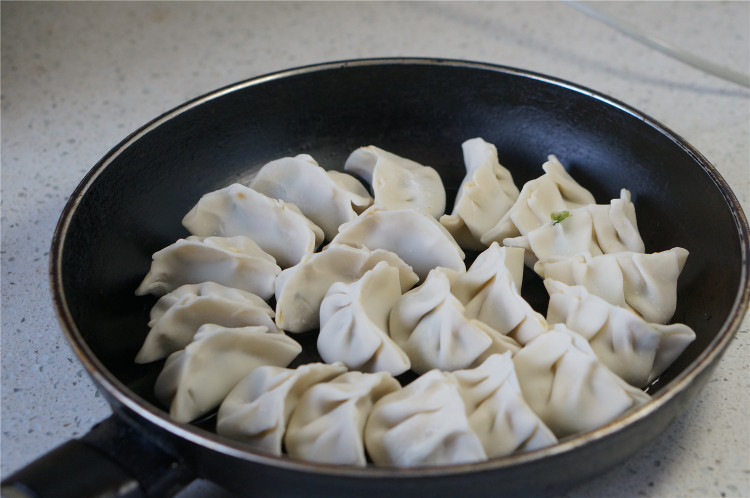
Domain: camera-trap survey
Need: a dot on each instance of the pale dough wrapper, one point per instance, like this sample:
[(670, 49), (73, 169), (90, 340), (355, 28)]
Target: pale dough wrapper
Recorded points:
[(196, 379)]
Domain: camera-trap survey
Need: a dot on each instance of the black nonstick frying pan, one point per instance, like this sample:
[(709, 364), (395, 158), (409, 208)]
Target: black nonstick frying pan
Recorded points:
[(132, 202)]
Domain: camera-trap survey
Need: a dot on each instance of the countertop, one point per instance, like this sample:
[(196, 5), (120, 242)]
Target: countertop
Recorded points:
[(79, 77)]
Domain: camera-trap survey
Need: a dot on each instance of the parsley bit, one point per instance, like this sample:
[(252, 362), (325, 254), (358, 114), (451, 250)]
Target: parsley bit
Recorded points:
[(558, 216)]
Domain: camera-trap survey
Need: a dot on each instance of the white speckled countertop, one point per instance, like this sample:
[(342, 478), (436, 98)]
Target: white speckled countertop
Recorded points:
[(78, 77)]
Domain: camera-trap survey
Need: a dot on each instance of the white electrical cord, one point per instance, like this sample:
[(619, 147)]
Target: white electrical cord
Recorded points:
[(661, 45)]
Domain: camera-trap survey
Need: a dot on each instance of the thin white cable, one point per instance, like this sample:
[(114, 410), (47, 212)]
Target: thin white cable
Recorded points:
[(661, 45)]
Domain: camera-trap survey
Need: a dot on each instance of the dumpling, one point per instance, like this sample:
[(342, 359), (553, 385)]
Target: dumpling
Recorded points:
[(645, 282), (256, 411), (568, 387), (398, 183), (554, 191), (498, 413), (196, 379), (177, 316), (596, 229), (491, 293), (277, 227), (329, 422), (301, 288), (424, 423), (635, 350), (486, 193), (325, 198), (354, 323), (416, 237), (430, 325), (232, 261)]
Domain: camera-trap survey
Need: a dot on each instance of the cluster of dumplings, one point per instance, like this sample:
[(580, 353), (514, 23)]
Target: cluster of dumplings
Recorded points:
[(390, 292)]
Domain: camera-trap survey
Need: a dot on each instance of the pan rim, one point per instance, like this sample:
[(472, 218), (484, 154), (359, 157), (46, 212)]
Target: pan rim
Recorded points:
[(159, 418)]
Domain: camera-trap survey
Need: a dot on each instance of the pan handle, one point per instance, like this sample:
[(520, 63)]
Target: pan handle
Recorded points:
[(115, 459)]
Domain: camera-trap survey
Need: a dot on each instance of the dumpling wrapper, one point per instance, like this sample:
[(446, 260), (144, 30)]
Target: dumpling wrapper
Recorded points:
[(329, 422), (486, 193), (196, 379), (323, 196), (596, 229), (423, 424), (498, 413), (257, 410), (491, 293), (455, 417), (231, 261), (301, 288), (354, 323), (177, 316), (632, 348), (568, 387), (279, 228), (415, 236), (398, 183), (430, 325), (554, 191), (646, 282)]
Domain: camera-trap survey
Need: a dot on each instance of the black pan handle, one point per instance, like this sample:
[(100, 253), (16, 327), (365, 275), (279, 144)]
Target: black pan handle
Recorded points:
[(115, 459)]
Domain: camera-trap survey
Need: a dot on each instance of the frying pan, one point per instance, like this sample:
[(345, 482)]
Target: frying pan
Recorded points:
[(132, 202)]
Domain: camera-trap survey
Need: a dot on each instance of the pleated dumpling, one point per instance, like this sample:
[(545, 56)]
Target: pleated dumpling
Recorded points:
[(554, 191), (645, 282), (323, 196), (418, 238), (424, 423), (498, 413), (596, 229), (279, 228), (354, 323), (430, 325), (231, 261), (196, 379), (256, 411), (177, 316), (486, 193), (329, 422), (491, 292), (632, 348), (398, 183), (301, 288), (568, 387)]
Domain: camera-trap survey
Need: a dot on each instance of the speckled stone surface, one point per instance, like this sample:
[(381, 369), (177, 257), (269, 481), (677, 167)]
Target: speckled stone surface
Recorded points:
[(78, 77)]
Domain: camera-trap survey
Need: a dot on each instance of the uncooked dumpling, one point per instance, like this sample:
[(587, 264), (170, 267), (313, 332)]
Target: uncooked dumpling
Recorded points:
[(328, 200), (415, 236), (301, 288), (398, 183), (554, 191), (354, 323), (231, 261), (329, 422), (424, 423), (567, 386), (632, 348), (177, 316), (279, 228), (498, 413), (196, 379), (596, 229), (430, 324), (490, 291), (486, 193), (257, 409), (645, 282)]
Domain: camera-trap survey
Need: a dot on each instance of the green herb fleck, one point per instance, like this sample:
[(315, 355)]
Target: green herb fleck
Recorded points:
[(558, 216)]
